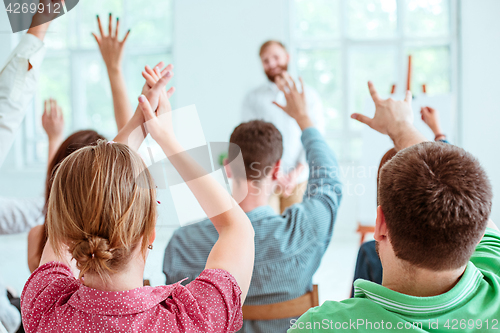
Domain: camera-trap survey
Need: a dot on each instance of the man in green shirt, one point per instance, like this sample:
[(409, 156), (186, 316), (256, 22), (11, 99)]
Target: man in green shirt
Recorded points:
[(440, 253)]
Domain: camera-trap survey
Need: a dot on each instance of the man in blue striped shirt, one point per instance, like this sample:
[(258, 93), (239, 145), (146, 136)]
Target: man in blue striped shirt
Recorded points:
[(288, 247)]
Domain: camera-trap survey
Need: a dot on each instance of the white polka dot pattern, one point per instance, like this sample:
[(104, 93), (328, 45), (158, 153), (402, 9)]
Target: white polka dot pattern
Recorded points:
[(54, 301)]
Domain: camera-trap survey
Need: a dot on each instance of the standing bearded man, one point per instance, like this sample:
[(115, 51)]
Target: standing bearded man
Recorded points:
[(263, 103)]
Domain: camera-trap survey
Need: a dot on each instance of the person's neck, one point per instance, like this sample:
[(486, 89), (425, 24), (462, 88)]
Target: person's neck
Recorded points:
[(420, 282), (257, 195), (127, 279)]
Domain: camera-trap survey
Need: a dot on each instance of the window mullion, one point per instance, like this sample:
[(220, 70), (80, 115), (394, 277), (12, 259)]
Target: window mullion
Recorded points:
[(455, 74), (346, 82), (402, 69)]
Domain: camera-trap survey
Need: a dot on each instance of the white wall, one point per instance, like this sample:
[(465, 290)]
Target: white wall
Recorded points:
[(216, 46), (481, 86)]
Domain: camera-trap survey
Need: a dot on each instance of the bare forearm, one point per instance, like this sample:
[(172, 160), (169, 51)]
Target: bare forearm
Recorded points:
[(234, 250), (121, 104), (39, 31), (213, 197), (133, 133), (54, 145)]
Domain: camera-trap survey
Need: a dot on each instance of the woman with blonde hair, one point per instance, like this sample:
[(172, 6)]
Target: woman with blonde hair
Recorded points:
[(101, 223)]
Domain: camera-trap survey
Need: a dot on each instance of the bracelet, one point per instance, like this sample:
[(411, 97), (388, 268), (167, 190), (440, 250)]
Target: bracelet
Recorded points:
[(438, 136)]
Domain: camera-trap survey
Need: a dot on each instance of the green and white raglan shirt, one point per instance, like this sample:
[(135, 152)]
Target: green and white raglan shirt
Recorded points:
[(472, 305)]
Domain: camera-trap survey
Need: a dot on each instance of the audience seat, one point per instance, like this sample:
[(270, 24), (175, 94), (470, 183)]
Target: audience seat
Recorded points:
[(363, 230), (292, 308)]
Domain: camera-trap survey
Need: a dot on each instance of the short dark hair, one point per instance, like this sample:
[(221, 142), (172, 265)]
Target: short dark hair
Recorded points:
[(269, 43), (436, 199), (261, 145), (386, 158)]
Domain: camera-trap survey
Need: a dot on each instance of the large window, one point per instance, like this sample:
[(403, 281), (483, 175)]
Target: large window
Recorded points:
[(74, 73), (341, 44)]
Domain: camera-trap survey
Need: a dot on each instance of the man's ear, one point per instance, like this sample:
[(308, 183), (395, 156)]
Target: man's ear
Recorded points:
[(276, 170), (380, 226), (227, 168)]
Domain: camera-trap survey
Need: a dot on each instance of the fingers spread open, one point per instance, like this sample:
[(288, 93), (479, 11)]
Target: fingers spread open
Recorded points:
[(362, 118), (110, 25), (53, 108), (117, 30), (290, 81), (96, 39), (286, 81), (409, 97), (280, 106), (373, 92), (302, 85), (280, 84), (100, 26), (126, 36)]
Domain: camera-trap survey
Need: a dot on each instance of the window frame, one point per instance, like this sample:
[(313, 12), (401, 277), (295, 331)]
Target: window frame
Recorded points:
[(400, 41), (31, 133)]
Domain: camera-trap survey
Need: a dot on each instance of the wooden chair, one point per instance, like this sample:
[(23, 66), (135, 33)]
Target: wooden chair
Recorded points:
[(363, 230), (146, 283), (292, 308)]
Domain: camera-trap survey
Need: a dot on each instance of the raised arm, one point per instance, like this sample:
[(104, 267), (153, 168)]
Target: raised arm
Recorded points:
[(430, 117), (133, 133), (324, 189), (53, 124), (234, 250), (112, 53), (19, 76), (394, 118), (41, 20)]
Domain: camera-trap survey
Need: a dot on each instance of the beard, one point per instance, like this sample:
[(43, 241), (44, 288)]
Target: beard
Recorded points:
[(273, 74)]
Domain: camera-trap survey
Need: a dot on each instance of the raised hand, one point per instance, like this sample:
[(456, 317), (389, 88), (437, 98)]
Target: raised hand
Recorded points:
[(430, 116), (53, 124), (158, 121), (53, 120), (47, 11), (110, 46), (394, 118), (390, 114), (296, 106)]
